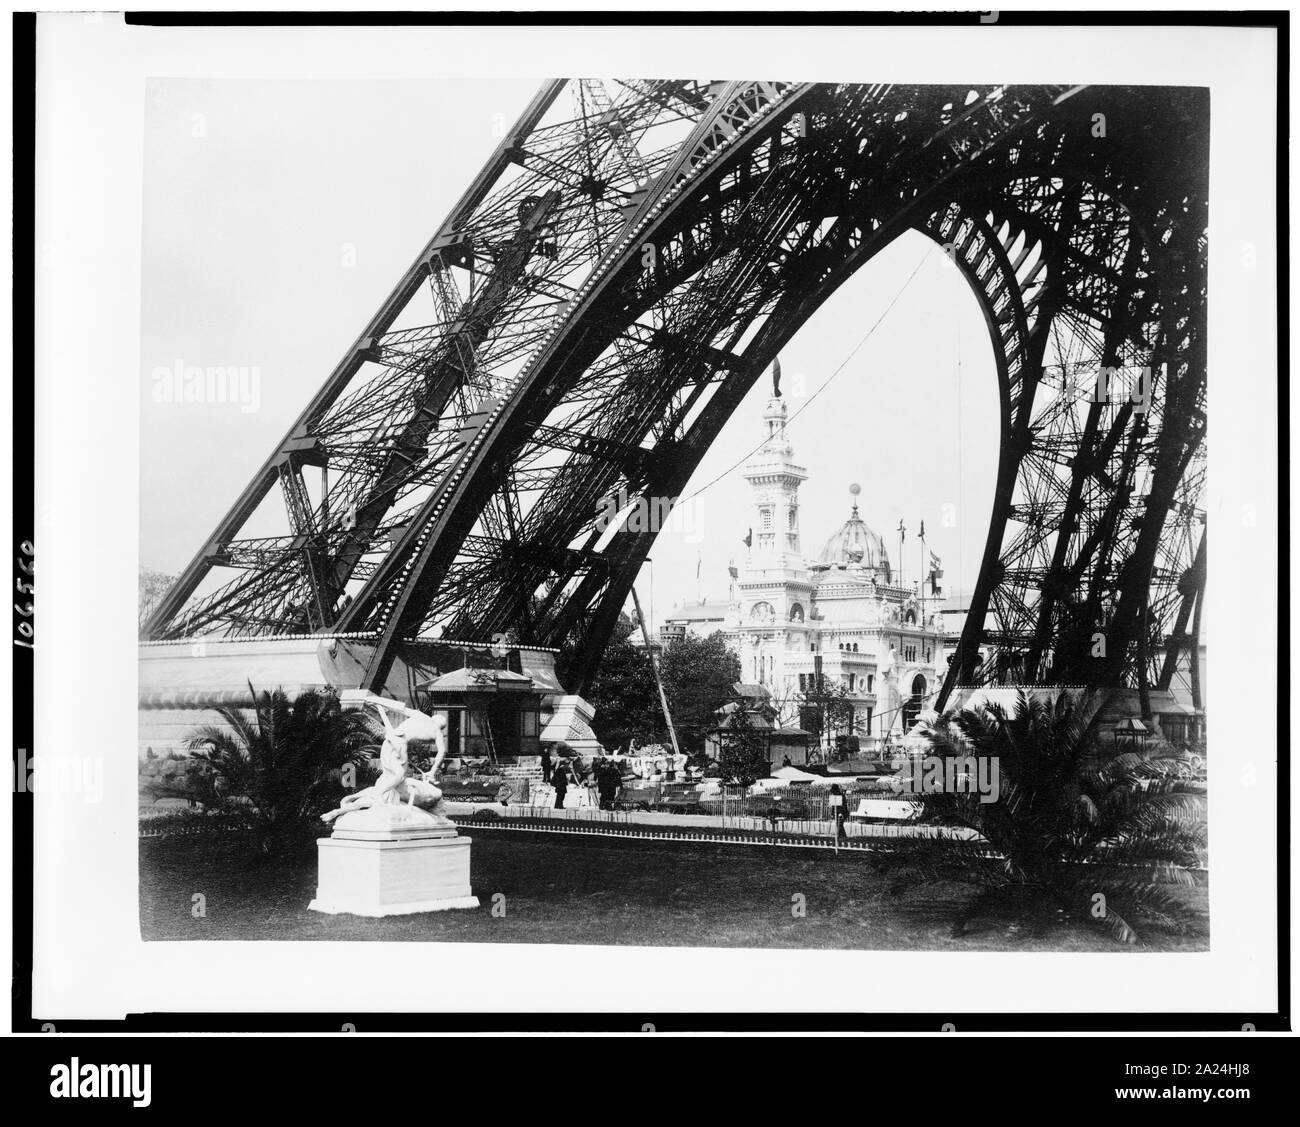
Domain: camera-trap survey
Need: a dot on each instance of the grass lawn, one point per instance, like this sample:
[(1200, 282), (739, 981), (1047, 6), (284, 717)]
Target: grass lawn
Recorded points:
[(591, 890)]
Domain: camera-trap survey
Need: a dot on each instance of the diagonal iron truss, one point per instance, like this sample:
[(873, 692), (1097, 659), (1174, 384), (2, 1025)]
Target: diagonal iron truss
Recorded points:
[(631, 259)]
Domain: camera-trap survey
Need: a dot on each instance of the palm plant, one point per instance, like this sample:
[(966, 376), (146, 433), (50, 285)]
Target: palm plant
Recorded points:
[(281, 760), (1075, 826)]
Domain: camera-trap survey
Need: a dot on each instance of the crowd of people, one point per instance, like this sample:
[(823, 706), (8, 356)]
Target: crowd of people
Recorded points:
[(607, 772)]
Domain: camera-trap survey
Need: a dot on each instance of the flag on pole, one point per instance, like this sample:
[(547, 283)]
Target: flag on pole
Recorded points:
[(936, 573)]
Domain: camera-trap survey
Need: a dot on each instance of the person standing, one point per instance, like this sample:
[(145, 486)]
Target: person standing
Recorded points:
[(546, 765), (840, 811), (608, 782), (560, 781)]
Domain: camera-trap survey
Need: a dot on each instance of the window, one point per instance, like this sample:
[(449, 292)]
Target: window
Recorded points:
[(855, 647), (528, 723), (871, 679), (851, 679), (793, 518), (869, 715), (796, 612), (765, 519)]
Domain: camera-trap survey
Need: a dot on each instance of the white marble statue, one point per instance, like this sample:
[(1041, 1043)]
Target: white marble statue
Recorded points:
[(395, 784)]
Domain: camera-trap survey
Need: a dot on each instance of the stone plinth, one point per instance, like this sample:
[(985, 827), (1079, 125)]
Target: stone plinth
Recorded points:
[(392, 860)]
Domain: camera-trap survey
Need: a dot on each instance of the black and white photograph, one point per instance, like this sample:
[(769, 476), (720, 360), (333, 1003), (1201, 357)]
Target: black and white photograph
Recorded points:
[(661, 518), (455, 599)]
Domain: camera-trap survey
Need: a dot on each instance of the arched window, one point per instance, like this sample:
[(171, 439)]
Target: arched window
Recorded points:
[(761, 611), (911, 618), (914, 703), (855, 647), (796, 612)]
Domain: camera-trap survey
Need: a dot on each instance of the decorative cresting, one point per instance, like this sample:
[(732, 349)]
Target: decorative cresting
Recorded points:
[(634, 256)]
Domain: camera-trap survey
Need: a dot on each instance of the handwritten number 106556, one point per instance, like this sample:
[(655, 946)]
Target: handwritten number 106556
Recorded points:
[(26, 564)]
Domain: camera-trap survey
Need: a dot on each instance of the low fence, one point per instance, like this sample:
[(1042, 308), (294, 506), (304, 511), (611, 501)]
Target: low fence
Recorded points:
[(648, 825), (752, 824), (860, 837)]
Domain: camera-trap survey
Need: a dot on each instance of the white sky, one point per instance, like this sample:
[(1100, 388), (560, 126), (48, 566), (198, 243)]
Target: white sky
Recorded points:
[(279, 214)]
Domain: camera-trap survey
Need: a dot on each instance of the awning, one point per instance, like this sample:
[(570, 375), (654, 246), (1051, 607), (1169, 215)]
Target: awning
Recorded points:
[(540, 666)]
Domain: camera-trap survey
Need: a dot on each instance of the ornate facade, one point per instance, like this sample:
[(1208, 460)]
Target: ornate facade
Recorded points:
[(840, 613)]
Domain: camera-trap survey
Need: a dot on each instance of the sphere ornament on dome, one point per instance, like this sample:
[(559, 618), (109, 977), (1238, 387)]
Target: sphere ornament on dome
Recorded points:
[(857, 546)]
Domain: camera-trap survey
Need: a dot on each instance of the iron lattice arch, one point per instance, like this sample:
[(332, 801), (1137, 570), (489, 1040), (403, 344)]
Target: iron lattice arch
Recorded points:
[(620, 273)]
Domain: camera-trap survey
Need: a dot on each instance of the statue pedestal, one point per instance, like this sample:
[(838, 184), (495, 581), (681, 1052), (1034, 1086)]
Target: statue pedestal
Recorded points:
[(392, 860)]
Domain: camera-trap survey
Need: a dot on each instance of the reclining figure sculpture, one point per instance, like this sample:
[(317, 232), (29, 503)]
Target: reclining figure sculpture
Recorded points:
[(395, 785)]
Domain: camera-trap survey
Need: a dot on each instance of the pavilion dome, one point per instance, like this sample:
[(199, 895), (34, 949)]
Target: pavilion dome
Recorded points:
[(856, 545)]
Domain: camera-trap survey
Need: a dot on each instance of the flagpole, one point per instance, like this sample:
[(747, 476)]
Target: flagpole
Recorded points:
[(922, 574), (654, 666)]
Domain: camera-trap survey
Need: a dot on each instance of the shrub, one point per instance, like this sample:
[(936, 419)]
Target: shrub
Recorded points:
[(283, 760)]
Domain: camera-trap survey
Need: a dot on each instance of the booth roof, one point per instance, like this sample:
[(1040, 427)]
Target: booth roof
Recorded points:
[(472, 680)]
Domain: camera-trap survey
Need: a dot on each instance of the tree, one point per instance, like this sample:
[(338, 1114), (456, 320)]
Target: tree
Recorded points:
[(742, 753), (1075, 827), (827, 708), (280, 764), (153, 586), (623, 692), (699, 676)]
